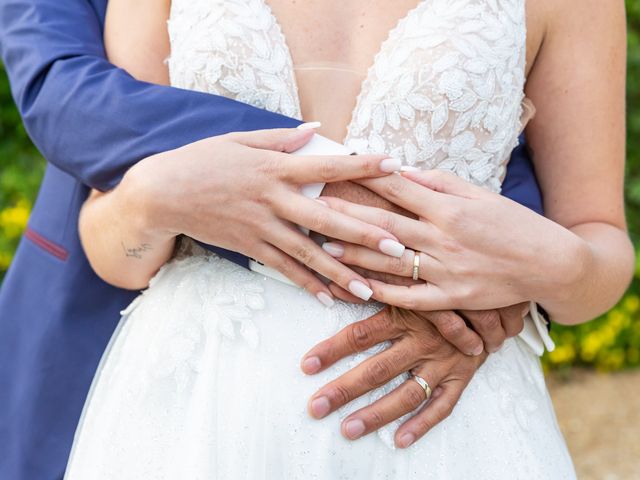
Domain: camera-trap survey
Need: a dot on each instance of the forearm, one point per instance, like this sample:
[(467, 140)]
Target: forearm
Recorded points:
[(584, 279), (118, 239)]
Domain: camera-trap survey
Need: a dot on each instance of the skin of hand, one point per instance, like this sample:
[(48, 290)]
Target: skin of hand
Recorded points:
[(464, 264), (470, 331), (249, 205), (416, 346)]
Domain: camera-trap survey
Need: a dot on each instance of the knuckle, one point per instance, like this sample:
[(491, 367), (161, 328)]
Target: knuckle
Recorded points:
[(329, 169), (386, 221), (269, 164), (451, 245), (447, 408), (452, 326), (368, 237), (386, 322), (377, 372), (303, 253), (455, 216), (339, 395), (375, 419), (412, 397), (424, 424), (321, 221), (397, 266), (287, 266), (393, 188), (359, 336), (489, 319)]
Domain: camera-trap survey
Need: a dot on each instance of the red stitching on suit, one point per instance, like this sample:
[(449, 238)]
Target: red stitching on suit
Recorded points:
[(46, 244)]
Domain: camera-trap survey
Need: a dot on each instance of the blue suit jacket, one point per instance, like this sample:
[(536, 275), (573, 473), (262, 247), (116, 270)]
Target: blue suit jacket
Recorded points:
[(91, 121)]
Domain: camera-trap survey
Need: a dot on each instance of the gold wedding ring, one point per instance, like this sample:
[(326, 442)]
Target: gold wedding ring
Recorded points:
[(416, 266), (423, 383)]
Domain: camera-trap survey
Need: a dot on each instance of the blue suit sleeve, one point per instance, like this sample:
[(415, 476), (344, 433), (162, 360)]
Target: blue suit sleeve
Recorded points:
[(86, 116)]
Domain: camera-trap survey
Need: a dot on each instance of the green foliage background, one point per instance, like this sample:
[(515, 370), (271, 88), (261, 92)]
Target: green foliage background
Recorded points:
[(611, 342)]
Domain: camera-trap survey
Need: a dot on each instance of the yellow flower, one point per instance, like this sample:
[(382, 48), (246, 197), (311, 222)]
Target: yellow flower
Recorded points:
[(5, 260), (590, 346), (631, 303), (13, 220), (562, 354)]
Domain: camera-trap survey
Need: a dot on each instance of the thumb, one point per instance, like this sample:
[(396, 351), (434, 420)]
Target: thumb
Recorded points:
[(286, 140), (443, 181)]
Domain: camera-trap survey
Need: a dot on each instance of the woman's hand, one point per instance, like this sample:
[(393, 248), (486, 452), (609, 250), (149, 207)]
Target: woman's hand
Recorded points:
[(477, 250), (241, 192)]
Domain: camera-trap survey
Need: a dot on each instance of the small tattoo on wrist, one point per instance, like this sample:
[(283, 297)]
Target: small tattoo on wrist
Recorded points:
[(136, 252)]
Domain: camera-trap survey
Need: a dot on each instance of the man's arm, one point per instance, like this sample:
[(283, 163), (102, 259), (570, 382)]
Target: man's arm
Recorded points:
[(89, 118)]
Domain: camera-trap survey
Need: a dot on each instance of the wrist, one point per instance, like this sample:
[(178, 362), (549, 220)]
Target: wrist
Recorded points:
[(140, 197), (564, 267)]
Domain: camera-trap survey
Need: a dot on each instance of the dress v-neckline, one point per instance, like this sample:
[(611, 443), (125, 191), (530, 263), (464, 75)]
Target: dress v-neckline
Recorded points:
[(367, 78)]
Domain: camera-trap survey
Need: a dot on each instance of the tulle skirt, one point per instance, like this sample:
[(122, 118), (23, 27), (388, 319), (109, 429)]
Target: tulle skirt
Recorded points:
[(201, 380)]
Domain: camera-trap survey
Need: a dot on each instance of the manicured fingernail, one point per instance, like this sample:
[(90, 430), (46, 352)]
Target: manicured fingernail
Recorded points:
[(406, 440), (334, 249), (390, 165), (409, 168), (478, 350), (309, 126), (321, 202), (311, 365), (354, 428), (320, 407), (525, 310), (325, 299), (391, 247), (360, 290)]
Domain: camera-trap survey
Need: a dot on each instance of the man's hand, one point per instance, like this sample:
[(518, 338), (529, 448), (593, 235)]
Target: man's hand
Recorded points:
[(470, 331), (417, 346)]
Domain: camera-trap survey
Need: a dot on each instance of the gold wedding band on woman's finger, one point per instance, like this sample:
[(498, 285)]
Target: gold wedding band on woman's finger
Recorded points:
[(416, 265)]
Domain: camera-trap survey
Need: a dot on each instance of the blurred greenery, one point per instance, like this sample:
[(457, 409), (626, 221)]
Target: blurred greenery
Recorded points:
[(611, 342)]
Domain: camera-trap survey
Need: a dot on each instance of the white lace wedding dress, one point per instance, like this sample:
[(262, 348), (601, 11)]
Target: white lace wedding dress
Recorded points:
[(202, 380)]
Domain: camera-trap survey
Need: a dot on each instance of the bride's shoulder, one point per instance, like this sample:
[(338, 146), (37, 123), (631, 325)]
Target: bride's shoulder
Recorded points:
[(578, 21)]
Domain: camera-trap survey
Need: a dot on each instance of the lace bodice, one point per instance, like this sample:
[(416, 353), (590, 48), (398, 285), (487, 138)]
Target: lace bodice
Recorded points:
[(444, 91)]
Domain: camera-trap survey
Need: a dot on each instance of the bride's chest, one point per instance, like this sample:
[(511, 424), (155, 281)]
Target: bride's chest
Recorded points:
[(347, 33), (440, 84)]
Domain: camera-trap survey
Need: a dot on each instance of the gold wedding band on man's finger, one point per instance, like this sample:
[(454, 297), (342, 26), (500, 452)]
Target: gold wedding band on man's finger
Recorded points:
[(424, 384)]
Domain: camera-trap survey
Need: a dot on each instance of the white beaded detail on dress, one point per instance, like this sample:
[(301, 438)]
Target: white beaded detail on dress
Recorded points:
[(444, 91)]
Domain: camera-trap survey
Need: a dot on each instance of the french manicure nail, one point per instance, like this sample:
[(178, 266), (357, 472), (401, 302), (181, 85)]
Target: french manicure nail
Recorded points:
[(391, 247), (311, 365), (354, 428), (409, 168), (360, 290), (325, 299), (334, 249), (309, 126), (390, 165), (406, 440), (320, 407)]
